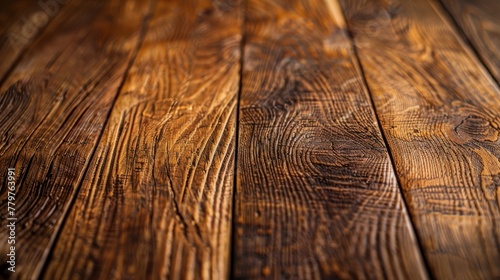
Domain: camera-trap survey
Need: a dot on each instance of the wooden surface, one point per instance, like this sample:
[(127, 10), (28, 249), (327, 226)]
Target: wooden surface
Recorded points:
[(480, 22), (53, 108), (440, 112), (316, 195), (252, 139), (21, 22), (156, 200)]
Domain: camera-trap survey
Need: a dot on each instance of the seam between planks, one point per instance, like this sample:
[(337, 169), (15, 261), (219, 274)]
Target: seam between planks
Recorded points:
[(443, 12), (22, 53), (55, 237), (236, 144), (468, 45), (447, 16), (361, 72)]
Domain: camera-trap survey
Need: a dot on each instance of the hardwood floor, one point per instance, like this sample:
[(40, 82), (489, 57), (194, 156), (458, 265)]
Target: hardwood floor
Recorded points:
[(21, 21), (480, 22), (160, 184), (250, 139), (54, 106), (312, 164), (440, 112)]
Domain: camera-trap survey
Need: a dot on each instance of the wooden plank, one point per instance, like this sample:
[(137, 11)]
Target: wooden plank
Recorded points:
[(156, 202), (21, 22), (440, 112), (480, 21), (316, 195), (53, 108)]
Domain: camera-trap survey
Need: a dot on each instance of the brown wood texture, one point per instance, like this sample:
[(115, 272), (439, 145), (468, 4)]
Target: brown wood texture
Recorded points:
[(157, 200), (21, 21), (480, 21), (440, 112), (316, 196), (53, 108)]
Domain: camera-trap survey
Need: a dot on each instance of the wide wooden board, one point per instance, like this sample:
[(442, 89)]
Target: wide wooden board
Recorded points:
[(316, 195), (53, 107), (440, 112), (156, 201)]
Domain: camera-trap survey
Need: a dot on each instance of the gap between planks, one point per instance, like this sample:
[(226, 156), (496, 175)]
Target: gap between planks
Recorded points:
[(362, 74), (474, 50), (144, 27)]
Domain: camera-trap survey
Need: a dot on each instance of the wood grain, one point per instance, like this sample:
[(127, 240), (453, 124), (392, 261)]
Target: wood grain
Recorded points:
[(480, 21), (21, 22), (316, 195), (440, 112), (156, 202), (53, 108)]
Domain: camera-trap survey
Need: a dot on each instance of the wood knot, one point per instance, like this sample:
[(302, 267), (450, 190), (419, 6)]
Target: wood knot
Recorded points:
[(473, 127), (205, 13)]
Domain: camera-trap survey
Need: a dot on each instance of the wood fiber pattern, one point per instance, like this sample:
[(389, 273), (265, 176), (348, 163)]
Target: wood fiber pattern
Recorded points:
[(53, 107), (316, 196), (156, 201), (440, 112), (134, 126), (21, 21), (480, 21)]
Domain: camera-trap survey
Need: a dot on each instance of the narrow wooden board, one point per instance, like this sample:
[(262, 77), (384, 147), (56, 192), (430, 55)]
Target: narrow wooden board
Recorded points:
[(316, 195), (440, 112), (53, 108), (156, 201), (21, 22), (480, 21)]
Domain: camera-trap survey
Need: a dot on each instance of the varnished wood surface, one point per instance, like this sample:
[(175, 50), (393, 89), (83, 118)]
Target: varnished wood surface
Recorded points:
[(440, 112), (21, 22), (52, 110), (240, 139), (316, 195), (480, 21), (156, 201)]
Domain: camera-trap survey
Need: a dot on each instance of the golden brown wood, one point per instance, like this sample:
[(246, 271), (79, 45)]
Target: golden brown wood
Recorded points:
[(52, 111), (480, 21), (20, 22), (316, 195), (440, 112), (156, 202)]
